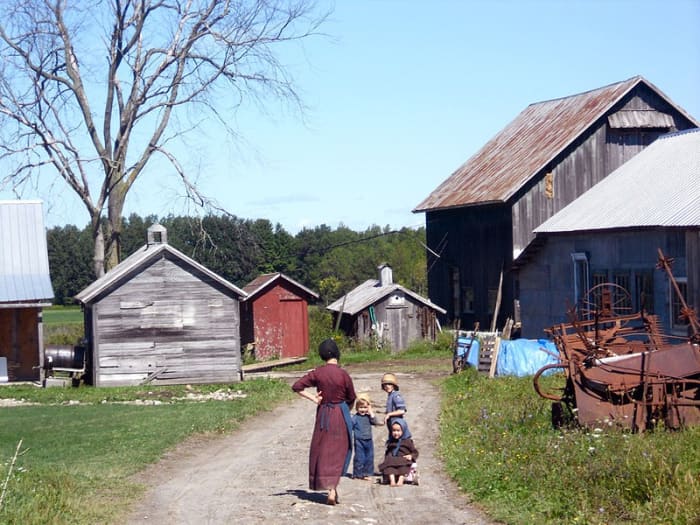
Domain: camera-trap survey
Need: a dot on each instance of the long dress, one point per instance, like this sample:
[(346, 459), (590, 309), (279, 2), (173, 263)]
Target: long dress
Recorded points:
[(331, 444), (394, 462)]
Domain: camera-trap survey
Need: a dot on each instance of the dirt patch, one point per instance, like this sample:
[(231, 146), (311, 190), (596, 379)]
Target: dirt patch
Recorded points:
[(258, 473)]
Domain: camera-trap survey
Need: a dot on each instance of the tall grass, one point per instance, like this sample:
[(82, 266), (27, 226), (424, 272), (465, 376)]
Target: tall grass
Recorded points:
[(498, 443)]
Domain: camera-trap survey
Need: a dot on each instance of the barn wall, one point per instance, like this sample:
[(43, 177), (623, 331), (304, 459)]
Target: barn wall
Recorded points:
[(20, 342), (473, 244), (546, 282), (169, 325)]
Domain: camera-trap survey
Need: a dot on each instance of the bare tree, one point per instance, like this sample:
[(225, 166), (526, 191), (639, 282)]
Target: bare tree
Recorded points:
[(81, 80)]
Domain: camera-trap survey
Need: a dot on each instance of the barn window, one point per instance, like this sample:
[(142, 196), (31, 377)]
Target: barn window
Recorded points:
[(468, 300), (581, 277), (678, 324)]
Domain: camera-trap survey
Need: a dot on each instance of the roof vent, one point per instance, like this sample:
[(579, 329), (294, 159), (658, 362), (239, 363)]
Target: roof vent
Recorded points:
[(157, 234), (386, 276)]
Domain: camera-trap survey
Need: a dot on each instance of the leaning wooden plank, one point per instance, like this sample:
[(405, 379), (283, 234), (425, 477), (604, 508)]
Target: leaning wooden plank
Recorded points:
[(494, 356), (153, 375)]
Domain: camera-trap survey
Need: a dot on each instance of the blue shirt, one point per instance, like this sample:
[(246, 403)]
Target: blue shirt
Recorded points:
[(362, 426)]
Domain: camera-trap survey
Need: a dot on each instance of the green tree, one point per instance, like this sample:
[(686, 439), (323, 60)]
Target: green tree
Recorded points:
[(69, 252)]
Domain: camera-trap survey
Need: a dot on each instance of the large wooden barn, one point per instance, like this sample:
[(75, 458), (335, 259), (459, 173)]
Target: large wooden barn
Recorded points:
[(612, 234), (386, 312), (275, 317), (482, 217), (25, 289), (160, 317)]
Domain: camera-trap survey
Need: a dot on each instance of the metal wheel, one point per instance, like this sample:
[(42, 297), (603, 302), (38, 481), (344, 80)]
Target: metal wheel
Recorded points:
[(606, 301)]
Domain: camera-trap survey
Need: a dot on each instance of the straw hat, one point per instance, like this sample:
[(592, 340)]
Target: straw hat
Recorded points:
[(390, 379)]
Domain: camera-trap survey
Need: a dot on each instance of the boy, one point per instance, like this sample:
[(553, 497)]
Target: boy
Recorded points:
[(362, 421)]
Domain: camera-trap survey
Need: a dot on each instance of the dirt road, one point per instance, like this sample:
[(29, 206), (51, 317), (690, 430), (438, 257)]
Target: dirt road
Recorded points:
[(259, 473)]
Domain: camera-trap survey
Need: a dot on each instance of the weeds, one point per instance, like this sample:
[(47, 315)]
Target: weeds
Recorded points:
[(498, 443)]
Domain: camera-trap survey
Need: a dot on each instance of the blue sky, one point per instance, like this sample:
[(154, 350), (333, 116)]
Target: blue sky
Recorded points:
[(401, 93)]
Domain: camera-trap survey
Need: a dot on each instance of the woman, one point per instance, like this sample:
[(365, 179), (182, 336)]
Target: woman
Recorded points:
[(331, 449)]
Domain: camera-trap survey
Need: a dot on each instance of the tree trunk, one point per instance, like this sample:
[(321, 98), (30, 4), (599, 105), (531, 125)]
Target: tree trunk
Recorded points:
[(115, 208), (98, 257)]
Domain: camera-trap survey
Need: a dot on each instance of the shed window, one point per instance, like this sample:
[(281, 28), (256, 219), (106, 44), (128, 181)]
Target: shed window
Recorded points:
[(162, 315)]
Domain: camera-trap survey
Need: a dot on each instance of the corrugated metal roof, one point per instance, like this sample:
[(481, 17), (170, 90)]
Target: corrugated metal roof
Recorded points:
[(141, 257), (371, 292), (660, 186), (24, 259), (260, 282), (526, 145)]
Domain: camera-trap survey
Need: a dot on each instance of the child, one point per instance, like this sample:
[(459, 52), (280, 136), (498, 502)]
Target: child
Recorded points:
[(400, 455), (362, 421), (395, 405)]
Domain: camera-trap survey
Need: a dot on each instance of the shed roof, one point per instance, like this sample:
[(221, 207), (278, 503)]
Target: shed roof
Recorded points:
[(24, 259), (258, 284), (660, 186), (537, 135), (371, 292), (141, 257)]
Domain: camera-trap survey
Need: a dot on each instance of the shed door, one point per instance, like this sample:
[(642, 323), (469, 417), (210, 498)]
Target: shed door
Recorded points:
[(294, 328)]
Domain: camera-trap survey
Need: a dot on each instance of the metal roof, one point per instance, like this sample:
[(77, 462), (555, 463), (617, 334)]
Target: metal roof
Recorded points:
[(526, 145), (259, 283), (660, 186), (24, 259), (145, 255), (371, 292)]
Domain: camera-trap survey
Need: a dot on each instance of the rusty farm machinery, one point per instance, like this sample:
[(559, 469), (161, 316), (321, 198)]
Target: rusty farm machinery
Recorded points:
[(621, 368)]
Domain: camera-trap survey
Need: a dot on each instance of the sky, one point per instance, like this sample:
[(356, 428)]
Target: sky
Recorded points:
[(400, 93)]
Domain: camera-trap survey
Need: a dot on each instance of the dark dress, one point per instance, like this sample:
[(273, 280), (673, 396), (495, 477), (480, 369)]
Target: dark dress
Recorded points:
[(397, 464), (331, 445)]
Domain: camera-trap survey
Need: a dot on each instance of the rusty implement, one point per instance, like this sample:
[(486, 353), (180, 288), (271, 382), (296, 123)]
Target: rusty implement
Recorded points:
[(621, 369)]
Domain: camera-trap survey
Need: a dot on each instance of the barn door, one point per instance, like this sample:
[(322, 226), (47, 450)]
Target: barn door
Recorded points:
[(294, 328)]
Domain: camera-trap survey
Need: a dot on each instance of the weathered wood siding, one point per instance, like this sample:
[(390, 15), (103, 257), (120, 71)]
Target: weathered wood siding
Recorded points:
[(546, 283), (20, 342), (402, 319), (474, 243), (166, 325), (593, 157)]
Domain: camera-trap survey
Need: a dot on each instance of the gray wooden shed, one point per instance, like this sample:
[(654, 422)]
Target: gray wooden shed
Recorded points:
[(160, 317), (391, 314)]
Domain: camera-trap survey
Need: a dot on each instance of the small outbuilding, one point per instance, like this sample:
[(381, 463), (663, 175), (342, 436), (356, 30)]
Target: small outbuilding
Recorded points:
[(275, 317), (386, 312), (160, 317), (25, 289)]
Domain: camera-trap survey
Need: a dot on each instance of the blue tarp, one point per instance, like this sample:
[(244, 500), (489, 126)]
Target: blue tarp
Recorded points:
[(463, 345), (524, 357)]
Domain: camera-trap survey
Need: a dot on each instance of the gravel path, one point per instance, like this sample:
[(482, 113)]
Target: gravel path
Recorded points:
[(258, 474)]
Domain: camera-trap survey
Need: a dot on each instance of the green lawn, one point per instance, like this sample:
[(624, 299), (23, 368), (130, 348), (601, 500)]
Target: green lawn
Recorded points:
[(61, 315)]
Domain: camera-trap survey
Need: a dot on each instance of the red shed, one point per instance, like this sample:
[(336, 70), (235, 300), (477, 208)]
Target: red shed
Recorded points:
[(275, 318)]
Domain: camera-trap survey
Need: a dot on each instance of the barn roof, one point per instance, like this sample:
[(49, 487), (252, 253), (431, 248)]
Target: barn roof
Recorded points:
[(537, 135), (145, 255), (258, 284), (371, 292), (24, 259), (660, 186)]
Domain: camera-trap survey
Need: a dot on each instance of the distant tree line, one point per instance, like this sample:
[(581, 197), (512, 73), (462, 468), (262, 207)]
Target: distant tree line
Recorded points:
[(330, 262)]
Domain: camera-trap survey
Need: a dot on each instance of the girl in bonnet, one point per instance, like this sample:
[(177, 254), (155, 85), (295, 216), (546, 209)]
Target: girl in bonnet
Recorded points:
[(400, 454)]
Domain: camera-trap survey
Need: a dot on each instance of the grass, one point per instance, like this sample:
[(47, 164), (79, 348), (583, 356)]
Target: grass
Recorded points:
[(79, 449), (499, 445), (63, 325)]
